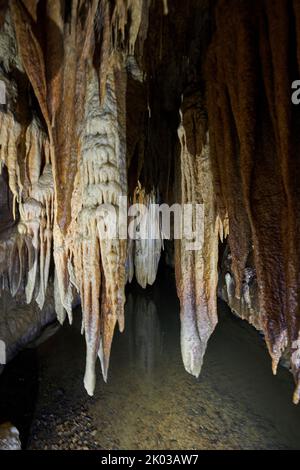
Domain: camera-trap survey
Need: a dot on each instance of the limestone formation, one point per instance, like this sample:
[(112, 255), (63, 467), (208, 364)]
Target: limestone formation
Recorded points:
[(152, 102)]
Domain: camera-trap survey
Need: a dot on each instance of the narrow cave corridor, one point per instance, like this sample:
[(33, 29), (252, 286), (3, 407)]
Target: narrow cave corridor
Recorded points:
[(149, 225)]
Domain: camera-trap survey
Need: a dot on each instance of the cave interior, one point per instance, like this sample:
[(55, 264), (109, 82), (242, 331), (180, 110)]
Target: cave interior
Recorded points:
[(158, 102)]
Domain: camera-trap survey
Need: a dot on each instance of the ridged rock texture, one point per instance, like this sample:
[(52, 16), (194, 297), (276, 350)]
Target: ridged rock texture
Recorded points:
[(160, 102), (255, 156)]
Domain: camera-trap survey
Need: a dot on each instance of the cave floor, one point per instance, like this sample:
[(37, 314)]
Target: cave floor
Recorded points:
[(150, 402)]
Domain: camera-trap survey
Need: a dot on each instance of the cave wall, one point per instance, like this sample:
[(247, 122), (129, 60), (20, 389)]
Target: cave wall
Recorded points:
[(255, 155)]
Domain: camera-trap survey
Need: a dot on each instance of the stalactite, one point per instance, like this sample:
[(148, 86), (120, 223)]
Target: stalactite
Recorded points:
[(247, 306), (136, 12), (58, 79), (57, 74), (88, 164), (102, 180), (166, 8), (253, 129), (34, 203), (144, 252), (197, 270)]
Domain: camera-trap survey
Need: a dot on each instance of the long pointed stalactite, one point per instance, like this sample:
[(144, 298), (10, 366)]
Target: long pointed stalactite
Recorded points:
[(197, 270), (102, 177), (144, 252)]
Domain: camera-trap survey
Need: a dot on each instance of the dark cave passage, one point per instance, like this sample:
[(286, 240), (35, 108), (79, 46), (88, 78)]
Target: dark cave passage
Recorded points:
[(149, 400), (19, 392)]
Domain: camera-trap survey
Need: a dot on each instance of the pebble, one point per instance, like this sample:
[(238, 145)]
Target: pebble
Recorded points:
[(54, 432)]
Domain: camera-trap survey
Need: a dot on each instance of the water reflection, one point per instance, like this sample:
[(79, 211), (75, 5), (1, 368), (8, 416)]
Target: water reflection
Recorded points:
[(145, 334), (150, 402)]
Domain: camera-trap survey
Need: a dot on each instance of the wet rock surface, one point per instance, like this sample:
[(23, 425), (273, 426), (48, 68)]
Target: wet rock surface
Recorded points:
[(9, 437)]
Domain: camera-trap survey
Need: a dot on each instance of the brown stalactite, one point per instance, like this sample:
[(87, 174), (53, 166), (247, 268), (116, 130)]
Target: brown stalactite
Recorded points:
[(225, 149), (57, 71), (105, 47), (88, 157), (287, 146), (61, 70), (262, 151), (196, 270)]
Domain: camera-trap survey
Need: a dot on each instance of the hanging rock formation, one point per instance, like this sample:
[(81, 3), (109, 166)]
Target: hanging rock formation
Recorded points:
[(253, 132), (112, 103), (144, 250), (197, 270)]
